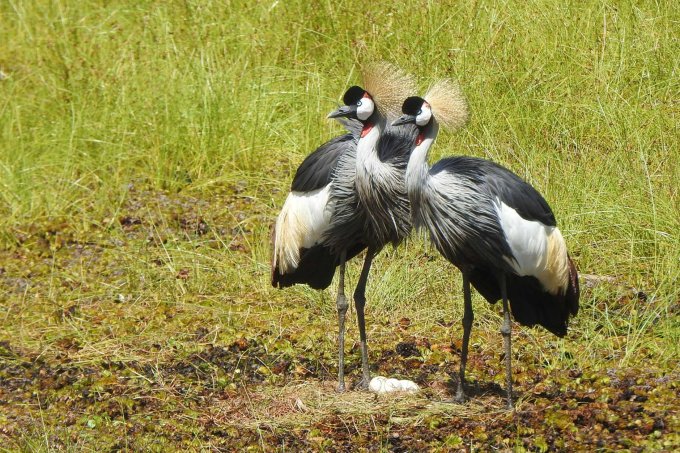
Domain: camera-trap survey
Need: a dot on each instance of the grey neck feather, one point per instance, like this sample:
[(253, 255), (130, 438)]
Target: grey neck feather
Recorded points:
[(380, 187), (367, 146), (417, 170), (367, 154)]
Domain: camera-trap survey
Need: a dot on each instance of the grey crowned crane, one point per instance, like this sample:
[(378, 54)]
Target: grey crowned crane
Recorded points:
[(496, 228), (327, 218)]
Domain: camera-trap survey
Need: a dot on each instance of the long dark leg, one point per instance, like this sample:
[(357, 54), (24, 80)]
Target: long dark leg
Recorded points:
[(341, 303), (359, 303), (506, 330), (468, 317)]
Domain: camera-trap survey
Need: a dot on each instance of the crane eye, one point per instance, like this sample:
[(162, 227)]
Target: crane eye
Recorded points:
[(420, 111), (359, 104)]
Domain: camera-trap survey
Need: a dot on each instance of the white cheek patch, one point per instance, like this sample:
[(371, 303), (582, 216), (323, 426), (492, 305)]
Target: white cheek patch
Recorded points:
[(365, 109), (424, 117), (539, 250)]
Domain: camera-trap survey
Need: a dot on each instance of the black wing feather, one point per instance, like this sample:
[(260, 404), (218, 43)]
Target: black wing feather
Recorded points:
[(316, 170), (500, 182)]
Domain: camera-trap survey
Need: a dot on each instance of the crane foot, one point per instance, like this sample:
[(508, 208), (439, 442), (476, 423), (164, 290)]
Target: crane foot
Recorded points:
[(362, 384)]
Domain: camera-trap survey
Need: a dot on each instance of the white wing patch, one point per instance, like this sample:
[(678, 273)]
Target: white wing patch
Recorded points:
[(538, 250), (303, 220)]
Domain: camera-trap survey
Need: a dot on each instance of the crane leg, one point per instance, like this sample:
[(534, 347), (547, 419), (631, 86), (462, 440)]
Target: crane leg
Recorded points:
[(468, 317), (341, 303), (506, 331), (360, 303)]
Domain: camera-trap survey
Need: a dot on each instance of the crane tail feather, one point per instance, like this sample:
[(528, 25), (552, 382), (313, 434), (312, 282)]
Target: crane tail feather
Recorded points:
[(531, 304), (315, 269), (573, 290)]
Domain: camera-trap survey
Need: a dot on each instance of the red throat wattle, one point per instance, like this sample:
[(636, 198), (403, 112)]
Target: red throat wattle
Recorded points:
[(420, 138), (367, 128)]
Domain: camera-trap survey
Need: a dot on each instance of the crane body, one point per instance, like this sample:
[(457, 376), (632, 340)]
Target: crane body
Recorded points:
[(331, 213), (496, 228), (379, 207)]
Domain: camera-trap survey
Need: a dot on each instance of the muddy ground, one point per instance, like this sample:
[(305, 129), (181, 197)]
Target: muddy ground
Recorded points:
[(115, 336)]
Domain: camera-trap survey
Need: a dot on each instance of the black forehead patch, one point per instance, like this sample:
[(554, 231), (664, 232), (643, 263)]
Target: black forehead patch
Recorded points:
[(353, 95), (412, 105)]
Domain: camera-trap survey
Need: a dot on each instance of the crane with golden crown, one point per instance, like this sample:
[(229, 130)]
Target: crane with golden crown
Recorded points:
[(348, 196), (496, 228)]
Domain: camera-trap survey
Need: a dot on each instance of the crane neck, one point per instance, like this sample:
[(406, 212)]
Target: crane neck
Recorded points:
[(367, 152), (417, 170)]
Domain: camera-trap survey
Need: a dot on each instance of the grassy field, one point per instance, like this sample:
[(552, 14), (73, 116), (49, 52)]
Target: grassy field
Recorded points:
[(146, 147)]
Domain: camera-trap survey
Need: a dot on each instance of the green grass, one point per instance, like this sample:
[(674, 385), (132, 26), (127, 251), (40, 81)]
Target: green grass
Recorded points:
[(146, 147)]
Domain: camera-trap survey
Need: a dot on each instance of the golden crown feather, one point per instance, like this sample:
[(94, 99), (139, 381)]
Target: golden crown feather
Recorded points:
[(388, 85), (448, 104)]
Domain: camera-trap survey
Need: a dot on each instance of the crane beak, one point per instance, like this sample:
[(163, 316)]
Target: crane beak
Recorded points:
[(404, 119), (344, 111)]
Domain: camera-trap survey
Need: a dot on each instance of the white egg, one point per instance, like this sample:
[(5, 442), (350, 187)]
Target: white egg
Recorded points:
[(392, 385), (380, 385), (409, 386), (376, 385)]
